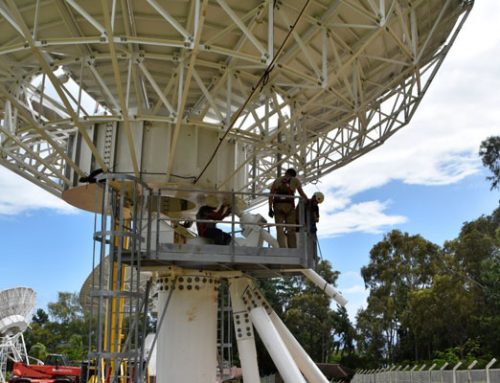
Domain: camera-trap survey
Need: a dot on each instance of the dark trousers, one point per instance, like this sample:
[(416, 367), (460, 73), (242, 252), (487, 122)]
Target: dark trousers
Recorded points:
[(218, 236)]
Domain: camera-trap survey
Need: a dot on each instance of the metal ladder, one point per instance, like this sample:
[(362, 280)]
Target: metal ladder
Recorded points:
[(224, 331), (119, 298)]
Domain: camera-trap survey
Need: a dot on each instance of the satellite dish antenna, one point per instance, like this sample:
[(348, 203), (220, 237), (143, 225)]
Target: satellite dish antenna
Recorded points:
[(16, 305), (92, 281), (223, 95), (15, 308)]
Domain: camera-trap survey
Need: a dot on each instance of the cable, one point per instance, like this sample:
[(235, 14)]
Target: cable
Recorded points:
[(262, 80), (319, 248)]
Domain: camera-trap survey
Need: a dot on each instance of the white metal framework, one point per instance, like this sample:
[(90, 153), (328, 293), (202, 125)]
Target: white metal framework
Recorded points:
[(312, 84), (15, 309), (207, 95)]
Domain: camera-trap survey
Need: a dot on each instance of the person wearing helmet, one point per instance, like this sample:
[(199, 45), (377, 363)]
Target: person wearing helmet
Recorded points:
[(311, 212), (282, 206), (310, 209)]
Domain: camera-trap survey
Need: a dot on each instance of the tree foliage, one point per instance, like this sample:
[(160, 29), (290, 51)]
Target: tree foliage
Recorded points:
[(62, 330), (428, 302), (489, 151), (326, 333)]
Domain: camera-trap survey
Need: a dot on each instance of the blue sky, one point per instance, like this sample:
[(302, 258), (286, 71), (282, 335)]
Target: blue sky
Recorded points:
[(427, 179)]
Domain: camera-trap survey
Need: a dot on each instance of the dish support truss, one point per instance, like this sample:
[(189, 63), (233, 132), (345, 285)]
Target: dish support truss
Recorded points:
[(13, 348), (350, 75), (187, 298)]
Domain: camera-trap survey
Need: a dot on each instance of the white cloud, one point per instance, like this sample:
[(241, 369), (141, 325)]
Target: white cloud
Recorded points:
[(440, 145), (368, 217), (352, 287), (18, 195)]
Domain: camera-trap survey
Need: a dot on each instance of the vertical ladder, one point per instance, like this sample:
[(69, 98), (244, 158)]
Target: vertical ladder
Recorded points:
[(224, 331), (119, 298)]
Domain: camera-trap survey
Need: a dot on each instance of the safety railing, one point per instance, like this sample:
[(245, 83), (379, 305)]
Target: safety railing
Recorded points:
[(433, 374), (252, 243), (166, 220)]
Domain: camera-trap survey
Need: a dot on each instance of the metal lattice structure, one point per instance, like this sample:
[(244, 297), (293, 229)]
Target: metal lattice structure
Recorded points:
[(312, 84), (203, 96), (15, 308)]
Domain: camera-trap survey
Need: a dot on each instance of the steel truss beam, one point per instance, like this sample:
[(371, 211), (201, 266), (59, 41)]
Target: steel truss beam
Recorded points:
[(350, 76)]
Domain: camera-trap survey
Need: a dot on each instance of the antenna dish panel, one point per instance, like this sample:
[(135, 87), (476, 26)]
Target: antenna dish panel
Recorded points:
[(92, 281), (15, 307), (224, 94)]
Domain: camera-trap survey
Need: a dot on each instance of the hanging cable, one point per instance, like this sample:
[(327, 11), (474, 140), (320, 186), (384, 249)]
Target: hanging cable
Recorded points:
[(261, 83), (319, 248)]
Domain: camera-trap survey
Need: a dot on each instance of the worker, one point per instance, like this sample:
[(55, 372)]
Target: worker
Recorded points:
[(92, 177), (209, 230), (310, 209), (282, 206), (311, 212)]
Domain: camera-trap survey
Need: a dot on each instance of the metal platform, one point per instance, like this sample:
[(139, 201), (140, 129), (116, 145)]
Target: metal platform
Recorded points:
[(256, 261), (163, 241)]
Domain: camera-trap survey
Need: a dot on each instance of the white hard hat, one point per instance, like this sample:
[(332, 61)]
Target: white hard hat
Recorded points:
[(320, 197), (211, 201)]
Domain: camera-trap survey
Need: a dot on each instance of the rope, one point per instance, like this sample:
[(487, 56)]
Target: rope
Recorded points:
[(262, 82)]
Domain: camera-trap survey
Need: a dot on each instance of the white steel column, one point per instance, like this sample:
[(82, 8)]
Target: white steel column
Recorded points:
[(187, 338), (244, 331), (303, 360), (275, 346)]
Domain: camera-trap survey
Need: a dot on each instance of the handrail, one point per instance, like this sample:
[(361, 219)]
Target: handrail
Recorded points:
[(247, 230)]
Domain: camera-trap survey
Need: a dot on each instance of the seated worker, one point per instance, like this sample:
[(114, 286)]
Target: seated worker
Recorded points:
[(282, 206), (208, 229)]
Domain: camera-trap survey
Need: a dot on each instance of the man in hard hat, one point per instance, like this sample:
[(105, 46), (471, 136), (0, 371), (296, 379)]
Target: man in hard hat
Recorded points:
[(311, 212), (310, 209), (209, 230), (282, 206)]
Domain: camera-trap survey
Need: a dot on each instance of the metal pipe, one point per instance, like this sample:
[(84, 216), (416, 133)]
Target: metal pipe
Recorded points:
[(319, 281), (491, 363), (455, 371), (310, 370), (246, 344), (275, 346)]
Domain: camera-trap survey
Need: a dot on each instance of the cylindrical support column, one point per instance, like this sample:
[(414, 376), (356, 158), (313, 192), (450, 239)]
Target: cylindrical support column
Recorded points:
[(244, 331), (310, 370), (187, 338), (329, 290), (275, 346)]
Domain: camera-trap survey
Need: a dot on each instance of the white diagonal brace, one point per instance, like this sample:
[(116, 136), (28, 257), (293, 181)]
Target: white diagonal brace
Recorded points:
[(119, 89), (156, 88), (55, 190), (185, 91), (243, 27), (290, 53), (57, 86), (270, 29), (302, 47), (87, 16), (35, 155), (34, 124), (171, 20), (207, 94), (8, 17), (431, 33), (49, 178), (104, 86)]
